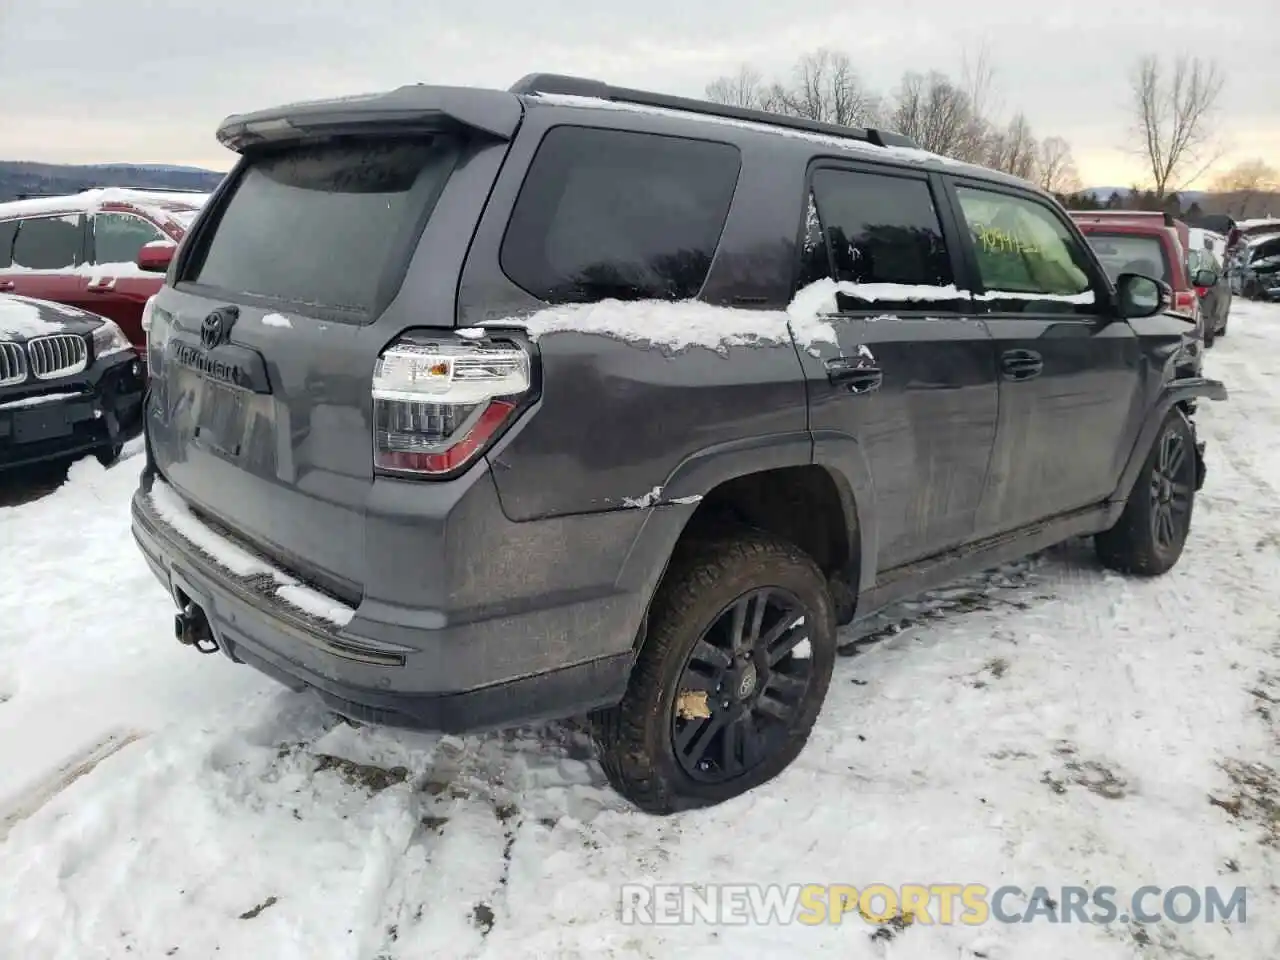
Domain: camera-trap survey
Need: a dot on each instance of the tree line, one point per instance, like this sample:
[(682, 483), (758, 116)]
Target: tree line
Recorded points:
[(1172, 109)]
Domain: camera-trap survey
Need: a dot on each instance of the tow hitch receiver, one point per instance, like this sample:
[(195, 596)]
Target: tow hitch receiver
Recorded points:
[(192, 629)]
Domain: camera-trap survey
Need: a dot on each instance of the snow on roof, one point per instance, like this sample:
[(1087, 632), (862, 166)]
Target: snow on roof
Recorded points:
[(1257, 222), (158, 203), (904, 154), (1261, 238)]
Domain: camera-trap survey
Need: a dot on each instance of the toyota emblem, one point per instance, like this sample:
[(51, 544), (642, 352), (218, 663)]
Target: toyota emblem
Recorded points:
[(216, 328)]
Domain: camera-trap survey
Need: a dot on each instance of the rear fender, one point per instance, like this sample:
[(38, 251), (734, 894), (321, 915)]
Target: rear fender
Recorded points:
[(702, 472), (1175, 393)]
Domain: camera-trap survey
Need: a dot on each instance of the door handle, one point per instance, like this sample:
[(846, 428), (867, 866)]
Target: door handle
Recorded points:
[(6, 286), (1021, 364), (102, 284), (854, 373)]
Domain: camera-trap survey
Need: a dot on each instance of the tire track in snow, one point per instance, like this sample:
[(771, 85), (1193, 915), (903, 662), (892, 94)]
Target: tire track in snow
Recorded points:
[(78, 765)]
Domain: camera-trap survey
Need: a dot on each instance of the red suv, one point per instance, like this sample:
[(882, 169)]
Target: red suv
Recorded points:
[(103, 250), (1151, 243)]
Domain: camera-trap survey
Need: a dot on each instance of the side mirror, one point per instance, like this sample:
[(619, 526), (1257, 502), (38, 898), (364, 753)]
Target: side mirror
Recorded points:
[(1205, 277), (1140, 296), (155, 257)]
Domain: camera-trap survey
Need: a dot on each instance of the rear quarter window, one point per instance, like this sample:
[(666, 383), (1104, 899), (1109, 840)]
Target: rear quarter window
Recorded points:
[(1130, 253), (319, 225), (610, 214)]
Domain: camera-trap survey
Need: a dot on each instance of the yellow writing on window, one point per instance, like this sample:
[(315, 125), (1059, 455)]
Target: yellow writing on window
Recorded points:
[(995, 240)]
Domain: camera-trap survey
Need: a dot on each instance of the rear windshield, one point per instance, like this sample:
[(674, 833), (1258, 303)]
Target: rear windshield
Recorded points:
[(318, 225), (1126, 253)]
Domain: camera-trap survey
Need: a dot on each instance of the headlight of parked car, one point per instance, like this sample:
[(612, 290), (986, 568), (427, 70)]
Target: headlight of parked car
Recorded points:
[(109, 339)]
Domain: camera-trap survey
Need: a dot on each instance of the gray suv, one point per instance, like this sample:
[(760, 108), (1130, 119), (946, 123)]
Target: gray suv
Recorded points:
[(471, 408)]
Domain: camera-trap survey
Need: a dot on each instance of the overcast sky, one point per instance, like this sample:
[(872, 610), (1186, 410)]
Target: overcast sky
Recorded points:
[(149, 80)]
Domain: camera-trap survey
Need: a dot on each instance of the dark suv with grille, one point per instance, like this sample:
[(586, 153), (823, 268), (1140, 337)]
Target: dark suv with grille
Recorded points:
[(471, 408)]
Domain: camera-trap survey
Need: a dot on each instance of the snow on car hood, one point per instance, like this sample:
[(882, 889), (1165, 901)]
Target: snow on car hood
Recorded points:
[(25, 318)]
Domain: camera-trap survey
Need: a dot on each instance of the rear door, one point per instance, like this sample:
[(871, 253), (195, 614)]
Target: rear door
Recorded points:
[(1068, 370), (116, 288), (45, 257), (912, 375)]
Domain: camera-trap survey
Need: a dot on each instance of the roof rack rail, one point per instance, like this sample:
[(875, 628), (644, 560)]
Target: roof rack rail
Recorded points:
[(560, 85)]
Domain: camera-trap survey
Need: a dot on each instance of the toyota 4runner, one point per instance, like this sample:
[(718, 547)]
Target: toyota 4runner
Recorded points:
[(471, 408)]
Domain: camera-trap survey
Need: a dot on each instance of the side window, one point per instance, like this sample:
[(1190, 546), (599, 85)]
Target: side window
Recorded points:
[(1027, 259), (883, 229), (117, 237), (8, 231), (608, 214), (47, 243)]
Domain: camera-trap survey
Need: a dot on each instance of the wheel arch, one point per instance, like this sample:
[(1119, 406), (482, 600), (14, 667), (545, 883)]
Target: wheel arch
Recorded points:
[(827, 474)]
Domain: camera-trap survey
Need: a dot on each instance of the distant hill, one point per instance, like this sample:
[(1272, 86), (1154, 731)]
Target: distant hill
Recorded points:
[(19, 177), (1103, 193), (150, 167)]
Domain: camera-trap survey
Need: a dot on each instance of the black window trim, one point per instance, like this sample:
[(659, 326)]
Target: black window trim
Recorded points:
[(1100, 283), (942, 205), (600, 128), (191, 251), (91, 235), (82, 248)]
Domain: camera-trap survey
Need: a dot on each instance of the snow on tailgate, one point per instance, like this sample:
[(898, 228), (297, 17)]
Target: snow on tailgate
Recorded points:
[(174, 512)]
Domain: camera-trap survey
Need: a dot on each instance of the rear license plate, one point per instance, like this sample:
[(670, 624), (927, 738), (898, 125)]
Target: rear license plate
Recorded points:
[(220, 423), (45, 422)]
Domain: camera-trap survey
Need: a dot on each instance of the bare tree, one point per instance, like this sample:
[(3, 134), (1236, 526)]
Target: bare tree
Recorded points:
[(1174, 112), (826, 87), (741, 89), (1056, 167), (1245, 181), (978, 79), (939, 116), (1014, 148)]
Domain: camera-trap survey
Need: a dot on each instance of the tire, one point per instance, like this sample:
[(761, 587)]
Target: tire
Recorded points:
[(1135, 545), (1209, 336), (695, 607), (109, 456)]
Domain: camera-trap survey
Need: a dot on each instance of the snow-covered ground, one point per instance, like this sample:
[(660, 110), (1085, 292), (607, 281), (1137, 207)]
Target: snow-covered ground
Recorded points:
[(1051, 724)]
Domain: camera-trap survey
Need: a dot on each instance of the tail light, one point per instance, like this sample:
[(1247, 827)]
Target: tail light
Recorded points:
[(439, 403), (1184, 301), (1202, 291)]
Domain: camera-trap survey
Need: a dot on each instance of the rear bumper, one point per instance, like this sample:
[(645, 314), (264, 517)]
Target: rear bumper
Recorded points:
[(93, 411), (451, 676)]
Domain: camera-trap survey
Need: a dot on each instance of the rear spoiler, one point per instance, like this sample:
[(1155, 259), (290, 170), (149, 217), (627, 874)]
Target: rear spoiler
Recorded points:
[(1136, 216), (494, 113)]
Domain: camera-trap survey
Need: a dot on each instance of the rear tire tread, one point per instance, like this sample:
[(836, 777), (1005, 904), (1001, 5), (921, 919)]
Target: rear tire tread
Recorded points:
[(621, 733)]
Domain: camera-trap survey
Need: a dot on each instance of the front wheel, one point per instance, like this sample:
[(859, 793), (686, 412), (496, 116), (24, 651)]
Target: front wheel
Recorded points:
[(1149, 537), (729, 680)]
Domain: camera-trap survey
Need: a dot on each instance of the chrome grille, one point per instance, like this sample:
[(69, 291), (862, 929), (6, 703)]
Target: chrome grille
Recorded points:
[(13, 364), (59, 355)]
